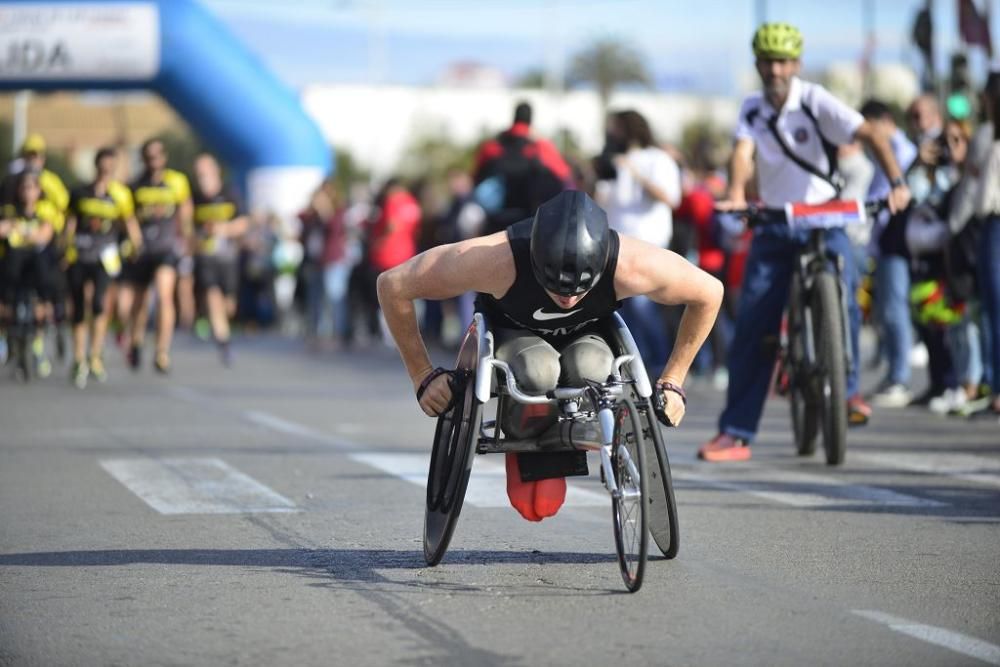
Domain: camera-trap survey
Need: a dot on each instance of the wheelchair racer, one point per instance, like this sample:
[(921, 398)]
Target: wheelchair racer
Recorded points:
[(545, 284)]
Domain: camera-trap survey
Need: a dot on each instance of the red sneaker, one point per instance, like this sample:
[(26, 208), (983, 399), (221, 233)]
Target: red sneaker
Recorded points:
[(724, 447), (858, 412)]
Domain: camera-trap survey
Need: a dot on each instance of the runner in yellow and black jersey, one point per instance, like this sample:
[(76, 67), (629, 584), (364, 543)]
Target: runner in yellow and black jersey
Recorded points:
[(163, 209), (99, 213), (54, 200), (26, 228), (219, 220)]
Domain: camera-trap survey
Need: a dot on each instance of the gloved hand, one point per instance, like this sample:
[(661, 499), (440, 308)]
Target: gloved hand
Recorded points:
[(670, 403), (435, 394)]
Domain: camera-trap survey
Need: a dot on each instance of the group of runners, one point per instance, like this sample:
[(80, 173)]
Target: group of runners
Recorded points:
[(112, 250)]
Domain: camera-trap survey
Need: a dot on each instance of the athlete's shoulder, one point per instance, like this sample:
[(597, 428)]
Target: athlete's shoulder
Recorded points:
[(175, 178), (122, 196), (50, 179), (751, 108), (753, 100), (48, 211), (813, 96), (520, 230), (117, 189)]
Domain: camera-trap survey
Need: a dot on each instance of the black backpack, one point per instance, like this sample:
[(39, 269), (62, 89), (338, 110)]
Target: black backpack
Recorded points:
[(520, 181), (960, 261)]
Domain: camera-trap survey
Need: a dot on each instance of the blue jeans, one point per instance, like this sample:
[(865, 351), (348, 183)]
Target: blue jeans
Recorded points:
[(645, 320), (989, 292), (335, 283), (966, 351), (763, 298), (892, 301)]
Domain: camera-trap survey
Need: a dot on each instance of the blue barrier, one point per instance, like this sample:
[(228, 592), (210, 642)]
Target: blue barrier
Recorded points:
[(250, 119)]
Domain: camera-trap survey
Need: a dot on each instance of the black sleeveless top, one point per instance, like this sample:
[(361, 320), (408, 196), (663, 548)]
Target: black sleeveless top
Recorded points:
[(526, 305)]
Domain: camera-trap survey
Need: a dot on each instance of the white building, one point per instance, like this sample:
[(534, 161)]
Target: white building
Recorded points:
[(377, 123)]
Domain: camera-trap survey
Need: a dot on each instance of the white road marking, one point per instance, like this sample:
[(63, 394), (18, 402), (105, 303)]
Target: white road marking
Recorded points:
[(949, 639), (195, 486), (800, 489), (487, 485), (967, 467), (280, 425)]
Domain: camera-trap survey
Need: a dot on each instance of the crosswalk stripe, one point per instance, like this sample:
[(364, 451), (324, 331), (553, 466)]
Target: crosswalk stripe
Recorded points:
[(949, 639), (967, 467), (195, 486), (275, 423), (487, 485), (800, 489)]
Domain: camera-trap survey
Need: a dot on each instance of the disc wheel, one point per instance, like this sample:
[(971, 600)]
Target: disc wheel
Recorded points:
[(451, 464), (660, 503), (628, 463)]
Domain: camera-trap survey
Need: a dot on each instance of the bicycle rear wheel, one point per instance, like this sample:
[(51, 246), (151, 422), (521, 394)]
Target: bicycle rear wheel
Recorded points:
[(628, 506), (451, 464), (829, 330)]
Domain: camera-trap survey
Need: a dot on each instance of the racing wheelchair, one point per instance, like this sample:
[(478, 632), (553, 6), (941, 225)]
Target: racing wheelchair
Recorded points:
[(615, 418)]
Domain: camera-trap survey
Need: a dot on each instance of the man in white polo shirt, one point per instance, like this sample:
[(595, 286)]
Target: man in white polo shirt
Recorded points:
[(792, 128)]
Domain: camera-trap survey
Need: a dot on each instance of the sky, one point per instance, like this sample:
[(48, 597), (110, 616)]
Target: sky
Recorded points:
[(698, 46)]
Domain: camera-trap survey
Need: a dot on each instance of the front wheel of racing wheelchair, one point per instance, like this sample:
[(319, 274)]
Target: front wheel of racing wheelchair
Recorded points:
[(455, 439), (642, 488)]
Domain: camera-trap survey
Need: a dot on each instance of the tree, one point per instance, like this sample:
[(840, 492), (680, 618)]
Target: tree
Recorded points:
[(348, 170), (532, 78), (607, 64), (704, 144), (430, 156)]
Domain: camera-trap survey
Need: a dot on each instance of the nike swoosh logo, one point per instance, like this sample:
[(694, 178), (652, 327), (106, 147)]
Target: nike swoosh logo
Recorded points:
[(541, 315)]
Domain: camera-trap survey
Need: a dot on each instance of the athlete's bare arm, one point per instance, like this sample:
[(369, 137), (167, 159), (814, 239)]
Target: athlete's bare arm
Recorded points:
[(484, 264), (740, 173), (668, 278)]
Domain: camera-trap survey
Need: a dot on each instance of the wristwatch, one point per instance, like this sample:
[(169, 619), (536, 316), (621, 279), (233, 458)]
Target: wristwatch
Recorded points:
[(897, 182)]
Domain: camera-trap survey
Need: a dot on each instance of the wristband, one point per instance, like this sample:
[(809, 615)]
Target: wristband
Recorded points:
[(897, 182), (427, 381), (670, 386)]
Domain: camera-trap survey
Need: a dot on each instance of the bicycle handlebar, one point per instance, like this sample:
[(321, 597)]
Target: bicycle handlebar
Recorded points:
[(557, 394), (827, 215)]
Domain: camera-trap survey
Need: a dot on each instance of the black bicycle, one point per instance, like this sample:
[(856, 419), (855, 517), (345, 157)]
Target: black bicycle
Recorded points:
[(816, 352)]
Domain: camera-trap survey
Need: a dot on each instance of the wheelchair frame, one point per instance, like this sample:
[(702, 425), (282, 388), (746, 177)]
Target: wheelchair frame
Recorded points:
[(461, 432)]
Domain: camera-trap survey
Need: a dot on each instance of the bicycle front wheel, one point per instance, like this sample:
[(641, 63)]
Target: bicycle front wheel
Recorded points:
[(628, 505), (828, 317), (802, 394)]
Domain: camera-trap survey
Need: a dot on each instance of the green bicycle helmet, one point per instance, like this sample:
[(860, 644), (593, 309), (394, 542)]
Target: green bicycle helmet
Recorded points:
[(778, 41)]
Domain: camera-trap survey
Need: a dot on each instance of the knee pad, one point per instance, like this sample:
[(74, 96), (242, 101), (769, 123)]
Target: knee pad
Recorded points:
[(541, 375), (587, 358)]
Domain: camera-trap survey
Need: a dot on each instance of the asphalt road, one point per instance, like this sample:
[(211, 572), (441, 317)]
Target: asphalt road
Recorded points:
[(271, 514)]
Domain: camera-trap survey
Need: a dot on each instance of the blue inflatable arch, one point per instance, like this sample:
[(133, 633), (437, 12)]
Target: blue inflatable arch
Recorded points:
[(176, 48)]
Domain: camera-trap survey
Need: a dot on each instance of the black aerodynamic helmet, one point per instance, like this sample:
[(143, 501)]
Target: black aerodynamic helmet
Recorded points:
[(570, 241)]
